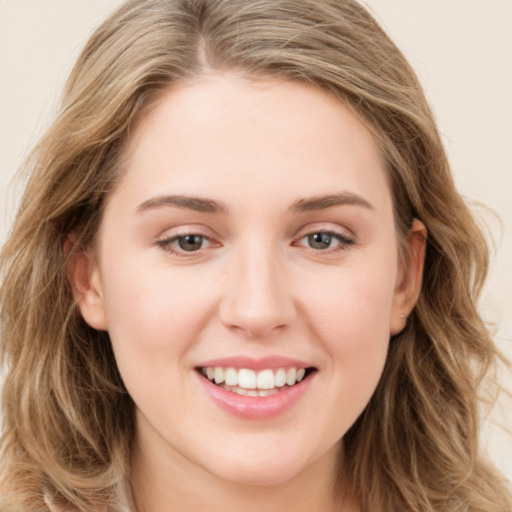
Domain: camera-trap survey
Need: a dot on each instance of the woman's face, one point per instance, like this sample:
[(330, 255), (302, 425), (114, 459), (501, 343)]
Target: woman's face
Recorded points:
[(251, 240)]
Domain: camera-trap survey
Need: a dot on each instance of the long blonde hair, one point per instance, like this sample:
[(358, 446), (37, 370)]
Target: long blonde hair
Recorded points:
[(67, 419)]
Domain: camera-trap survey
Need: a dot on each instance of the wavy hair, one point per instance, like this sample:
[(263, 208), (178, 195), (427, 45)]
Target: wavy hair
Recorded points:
[(67, 418)]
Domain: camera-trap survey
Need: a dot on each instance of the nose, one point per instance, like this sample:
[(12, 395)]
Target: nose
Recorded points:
[(257, 301)]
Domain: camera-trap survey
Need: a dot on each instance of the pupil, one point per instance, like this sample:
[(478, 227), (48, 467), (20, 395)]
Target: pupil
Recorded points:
[(319, 240), (190, 242)]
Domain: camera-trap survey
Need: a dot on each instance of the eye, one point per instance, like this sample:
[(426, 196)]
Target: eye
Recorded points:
[(325, 240), (190, 243), (187, 243), (320, 241)]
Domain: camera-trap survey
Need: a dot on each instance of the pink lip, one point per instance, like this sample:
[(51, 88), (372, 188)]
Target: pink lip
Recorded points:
[(255, 408), (271, 362)]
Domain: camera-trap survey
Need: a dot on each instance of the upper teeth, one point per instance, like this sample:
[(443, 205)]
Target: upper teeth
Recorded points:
[(250, 379)]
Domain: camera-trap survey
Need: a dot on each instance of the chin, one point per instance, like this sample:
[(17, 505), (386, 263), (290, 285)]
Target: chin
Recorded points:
[(270, 466), (262, 475)]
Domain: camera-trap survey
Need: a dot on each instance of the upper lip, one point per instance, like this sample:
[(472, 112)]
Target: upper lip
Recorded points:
[(268, 362)]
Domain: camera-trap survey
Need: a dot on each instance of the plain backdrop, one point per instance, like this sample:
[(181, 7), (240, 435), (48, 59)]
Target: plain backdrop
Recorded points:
[(461, 50)]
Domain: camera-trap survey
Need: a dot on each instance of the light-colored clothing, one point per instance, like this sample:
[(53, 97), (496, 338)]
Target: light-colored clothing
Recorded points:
[(126, 503)]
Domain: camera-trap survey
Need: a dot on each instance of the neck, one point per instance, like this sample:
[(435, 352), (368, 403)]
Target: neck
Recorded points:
[(169, 484)]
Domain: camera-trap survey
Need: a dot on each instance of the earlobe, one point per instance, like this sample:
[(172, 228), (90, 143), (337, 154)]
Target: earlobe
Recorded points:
[(84, 277), (408, 285)]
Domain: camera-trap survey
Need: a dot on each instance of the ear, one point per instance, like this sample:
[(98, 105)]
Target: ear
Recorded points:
[(409, 277), (84, 277)]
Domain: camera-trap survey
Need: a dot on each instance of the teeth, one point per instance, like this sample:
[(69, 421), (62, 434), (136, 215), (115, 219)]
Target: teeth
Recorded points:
[(265, 379), (245, 381), (291, 374), (250, 392), (218, 375), (267, 392), (231, 377), (247, 378), (280, 378)]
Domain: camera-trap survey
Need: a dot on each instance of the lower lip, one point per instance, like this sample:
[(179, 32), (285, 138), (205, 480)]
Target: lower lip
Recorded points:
[(256, 408)]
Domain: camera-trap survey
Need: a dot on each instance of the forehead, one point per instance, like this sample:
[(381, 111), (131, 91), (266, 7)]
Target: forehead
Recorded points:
[(224, 133)]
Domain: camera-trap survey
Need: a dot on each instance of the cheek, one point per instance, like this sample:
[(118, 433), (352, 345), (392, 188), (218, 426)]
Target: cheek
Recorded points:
[(154, 316), (352, 321), (355, 300)]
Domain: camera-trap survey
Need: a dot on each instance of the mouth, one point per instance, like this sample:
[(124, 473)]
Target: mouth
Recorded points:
[(255, 383)]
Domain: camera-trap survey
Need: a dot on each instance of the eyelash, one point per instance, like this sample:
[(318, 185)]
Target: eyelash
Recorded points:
[(170, 244)]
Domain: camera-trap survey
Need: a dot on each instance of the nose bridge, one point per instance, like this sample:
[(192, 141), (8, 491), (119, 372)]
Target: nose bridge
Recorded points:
[(257, 299)]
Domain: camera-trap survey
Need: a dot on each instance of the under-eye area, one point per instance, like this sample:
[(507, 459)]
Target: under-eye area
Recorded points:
[(254, 383)]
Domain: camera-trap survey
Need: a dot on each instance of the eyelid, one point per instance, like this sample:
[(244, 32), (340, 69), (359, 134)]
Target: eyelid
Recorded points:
[(180, 230), (326, 227)]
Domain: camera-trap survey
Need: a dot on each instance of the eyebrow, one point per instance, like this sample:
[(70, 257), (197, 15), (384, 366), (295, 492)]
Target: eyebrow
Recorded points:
[(202, 205), (324, 202), (197, 204)]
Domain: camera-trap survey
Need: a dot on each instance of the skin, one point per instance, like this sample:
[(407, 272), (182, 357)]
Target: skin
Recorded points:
[(256, 287)]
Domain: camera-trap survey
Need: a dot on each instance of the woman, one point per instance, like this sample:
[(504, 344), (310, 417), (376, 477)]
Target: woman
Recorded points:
[(223, 244)]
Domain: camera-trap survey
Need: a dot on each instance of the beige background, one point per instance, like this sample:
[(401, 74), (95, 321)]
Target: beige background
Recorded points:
[(461, 49)]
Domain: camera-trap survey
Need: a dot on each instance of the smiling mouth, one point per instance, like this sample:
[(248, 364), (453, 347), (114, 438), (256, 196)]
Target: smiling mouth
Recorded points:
[(248, 382)]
